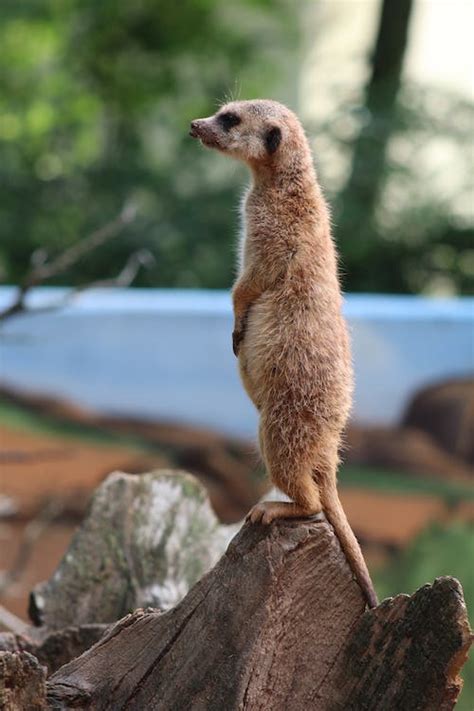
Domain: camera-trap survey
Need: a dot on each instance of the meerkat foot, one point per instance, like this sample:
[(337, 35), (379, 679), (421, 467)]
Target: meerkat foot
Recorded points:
[(268, 511)]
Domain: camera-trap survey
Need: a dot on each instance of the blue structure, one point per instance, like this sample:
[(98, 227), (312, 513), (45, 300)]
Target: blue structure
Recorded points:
[(166, 354)]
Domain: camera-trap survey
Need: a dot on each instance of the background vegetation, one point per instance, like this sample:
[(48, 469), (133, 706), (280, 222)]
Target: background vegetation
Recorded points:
[(95, 102)]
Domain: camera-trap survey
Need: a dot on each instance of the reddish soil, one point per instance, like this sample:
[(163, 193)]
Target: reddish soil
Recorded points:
[(37, 467), (391, 519), (48, 550)]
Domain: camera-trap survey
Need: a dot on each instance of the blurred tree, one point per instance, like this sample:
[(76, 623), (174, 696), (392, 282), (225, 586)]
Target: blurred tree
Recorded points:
[(95, 102), (96, 99), (397, 232), (359, 198)]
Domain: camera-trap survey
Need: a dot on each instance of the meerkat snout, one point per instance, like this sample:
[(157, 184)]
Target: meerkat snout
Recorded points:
[(205, 131), (193, 131)]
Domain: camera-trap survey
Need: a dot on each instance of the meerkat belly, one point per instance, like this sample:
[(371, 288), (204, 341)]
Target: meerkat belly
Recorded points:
[(256, 352), (294, 350)]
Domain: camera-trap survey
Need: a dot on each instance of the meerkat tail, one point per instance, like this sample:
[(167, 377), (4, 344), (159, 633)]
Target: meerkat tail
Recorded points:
[(337, 518)]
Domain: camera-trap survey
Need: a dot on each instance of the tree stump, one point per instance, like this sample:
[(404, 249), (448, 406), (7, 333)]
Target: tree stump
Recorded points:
[(145, 541), (278, 624)]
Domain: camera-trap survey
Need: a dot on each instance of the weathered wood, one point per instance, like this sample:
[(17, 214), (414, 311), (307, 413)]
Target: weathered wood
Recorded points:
[(56, 648), (279, 623), (22, 682), (144, 542)]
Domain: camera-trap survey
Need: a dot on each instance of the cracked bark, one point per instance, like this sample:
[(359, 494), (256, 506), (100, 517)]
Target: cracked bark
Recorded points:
[(278, 623), (22, 682)]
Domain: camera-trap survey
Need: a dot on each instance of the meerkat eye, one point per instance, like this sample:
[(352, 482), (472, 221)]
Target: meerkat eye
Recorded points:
[(228, 120)]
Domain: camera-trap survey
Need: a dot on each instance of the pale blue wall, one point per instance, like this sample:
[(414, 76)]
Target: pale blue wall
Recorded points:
[(166, 354)]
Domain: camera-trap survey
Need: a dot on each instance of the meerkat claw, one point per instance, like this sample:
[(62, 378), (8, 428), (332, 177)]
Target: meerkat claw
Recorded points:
[(267, 518), (257, 514), (267, 511)]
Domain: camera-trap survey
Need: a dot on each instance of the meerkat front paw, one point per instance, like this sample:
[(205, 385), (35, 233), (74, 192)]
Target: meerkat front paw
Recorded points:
[(267, 511)]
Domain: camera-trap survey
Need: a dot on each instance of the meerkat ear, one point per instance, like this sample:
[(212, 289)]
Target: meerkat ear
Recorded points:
[(272, 139)]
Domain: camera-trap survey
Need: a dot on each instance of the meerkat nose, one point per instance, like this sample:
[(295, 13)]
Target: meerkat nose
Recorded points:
[(194, 129)]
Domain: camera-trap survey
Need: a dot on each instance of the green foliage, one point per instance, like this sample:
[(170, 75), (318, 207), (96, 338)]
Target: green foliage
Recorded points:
[(439, 550), (95, 104), (420, 236), (394, 482)]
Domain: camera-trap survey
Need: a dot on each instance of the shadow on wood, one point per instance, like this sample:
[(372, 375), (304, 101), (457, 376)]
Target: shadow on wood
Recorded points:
[(279, 623)]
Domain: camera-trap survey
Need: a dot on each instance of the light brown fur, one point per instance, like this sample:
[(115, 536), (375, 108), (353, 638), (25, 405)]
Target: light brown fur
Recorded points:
[(290, 335)]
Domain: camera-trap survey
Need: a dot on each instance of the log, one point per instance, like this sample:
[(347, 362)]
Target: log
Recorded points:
[(279, 623)]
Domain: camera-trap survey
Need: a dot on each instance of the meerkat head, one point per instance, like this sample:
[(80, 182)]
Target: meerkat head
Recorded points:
[(259, 132)]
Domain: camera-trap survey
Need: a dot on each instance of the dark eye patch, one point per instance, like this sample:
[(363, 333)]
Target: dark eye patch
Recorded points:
[(228, 120), (272, 139)]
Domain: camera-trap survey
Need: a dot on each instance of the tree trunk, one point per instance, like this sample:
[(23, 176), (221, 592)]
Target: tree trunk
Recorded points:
[(278, 624), (361, 193)]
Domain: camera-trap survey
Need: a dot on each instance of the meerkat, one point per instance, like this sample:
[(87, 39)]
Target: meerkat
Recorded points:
[(289, 335)]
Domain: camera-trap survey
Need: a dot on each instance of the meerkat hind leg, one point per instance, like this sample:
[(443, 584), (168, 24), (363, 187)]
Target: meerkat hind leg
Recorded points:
[(299, 486), (267, 511)]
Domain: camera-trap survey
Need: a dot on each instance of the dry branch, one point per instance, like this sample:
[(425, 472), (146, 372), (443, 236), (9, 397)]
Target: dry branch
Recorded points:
[(73, 254), (11, 623), (42, 270)]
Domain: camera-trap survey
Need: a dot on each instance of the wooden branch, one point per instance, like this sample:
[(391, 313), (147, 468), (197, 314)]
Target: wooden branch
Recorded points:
[(279, 623), (126, 276), (73, 254), (42, 269), (11, 624), (138, 259)]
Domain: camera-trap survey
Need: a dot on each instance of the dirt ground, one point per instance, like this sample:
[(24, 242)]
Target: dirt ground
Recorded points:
[(37, 469)]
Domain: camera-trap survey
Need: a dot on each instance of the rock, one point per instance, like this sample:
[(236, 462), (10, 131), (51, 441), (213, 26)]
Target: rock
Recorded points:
[(145, 541), (446, 412), (403, 449)]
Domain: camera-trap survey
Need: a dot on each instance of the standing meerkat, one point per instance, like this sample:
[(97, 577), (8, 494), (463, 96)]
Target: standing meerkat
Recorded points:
[(289, 333)]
